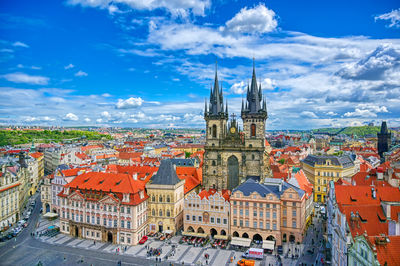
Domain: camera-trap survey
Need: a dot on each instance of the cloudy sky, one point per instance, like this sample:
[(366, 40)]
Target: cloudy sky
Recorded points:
[(151, 63)]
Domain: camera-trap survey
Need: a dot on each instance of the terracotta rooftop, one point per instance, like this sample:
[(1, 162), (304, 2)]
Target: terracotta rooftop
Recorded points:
[(387, 254)]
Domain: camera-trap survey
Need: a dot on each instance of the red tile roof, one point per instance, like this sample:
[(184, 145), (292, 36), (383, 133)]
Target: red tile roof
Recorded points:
[(192, 175), (82, 156), (36, 155), (303, 182), (91, 147), (387, 254), (225, 193), (10, 187)]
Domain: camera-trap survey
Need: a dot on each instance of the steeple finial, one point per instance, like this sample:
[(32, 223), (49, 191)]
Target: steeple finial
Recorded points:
[(226, 107)]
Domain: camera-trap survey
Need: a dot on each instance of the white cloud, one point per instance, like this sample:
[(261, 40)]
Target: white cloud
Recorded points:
[(105, 114), (238, 88), (71, 117), (268, 84), (393, 16), (19, 77), (87, 120), (99, 120), (366, 111), (69, 66), (308, 114), (253, 20), (106, 95), (175, 7), (331, 113), (80, 73), (20, 44), (30, 119), (129, 103)]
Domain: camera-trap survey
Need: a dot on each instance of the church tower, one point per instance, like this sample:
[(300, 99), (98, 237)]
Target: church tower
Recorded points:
[(233, 155), (215, 115), (384, 140)]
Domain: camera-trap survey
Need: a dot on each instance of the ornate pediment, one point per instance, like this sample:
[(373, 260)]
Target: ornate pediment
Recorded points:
[(109, 199)]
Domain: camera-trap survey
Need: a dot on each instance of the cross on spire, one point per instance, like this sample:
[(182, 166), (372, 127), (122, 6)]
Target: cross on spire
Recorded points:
[(233, 116)]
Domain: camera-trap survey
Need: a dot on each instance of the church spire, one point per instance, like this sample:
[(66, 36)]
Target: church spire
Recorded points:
[(254, 95), (216, 105)]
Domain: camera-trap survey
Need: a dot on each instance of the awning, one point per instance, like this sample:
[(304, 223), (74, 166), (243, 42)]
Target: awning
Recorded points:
[(194, 234), (50, 215), (239, 241), (268, 244), (222, 237), (168, 232)]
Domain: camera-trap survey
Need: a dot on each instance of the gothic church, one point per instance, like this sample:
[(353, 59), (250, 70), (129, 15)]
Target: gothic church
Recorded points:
[(233, 155)]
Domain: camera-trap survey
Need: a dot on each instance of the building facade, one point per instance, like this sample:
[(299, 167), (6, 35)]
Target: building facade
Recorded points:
[(104, 207), (207, 212), (45, 193), (166, 192), (271, 211), (384, 140), (322, 169), (232, 155), (9, 196)]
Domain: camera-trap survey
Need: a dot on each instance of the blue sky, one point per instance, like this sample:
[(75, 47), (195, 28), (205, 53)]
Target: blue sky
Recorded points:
[(151, 63)]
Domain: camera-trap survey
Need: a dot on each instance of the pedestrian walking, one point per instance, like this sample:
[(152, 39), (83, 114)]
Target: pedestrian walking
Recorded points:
[(94, 242)]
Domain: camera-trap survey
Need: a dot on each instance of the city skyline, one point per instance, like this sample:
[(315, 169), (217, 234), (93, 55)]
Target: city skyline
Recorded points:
[(133, 64)]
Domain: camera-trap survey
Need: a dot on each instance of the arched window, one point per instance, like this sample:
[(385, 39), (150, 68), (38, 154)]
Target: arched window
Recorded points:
[(252, 157), (214, 131), (153, 212), (168, 213), (160, 199), (168, 199), (160, 213), (253, 130), (213, 163), (153, 198)]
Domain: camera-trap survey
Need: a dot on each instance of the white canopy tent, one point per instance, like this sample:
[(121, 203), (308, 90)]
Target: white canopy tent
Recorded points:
[(240, 241)]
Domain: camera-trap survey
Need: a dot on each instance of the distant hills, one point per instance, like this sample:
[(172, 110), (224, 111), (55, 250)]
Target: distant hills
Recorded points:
[(360, 131)]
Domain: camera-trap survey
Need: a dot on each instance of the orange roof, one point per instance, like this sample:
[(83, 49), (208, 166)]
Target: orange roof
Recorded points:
[(207, 193), (36, 155), (191, 175), (82, 156), (361, 195), (74, 171), (129, 155), (144, 173), (105, 156), (367, 179), (303, 182), (91, 147), (114, 185), (394, 213), (371, 219), (387, 254), (10, 187)]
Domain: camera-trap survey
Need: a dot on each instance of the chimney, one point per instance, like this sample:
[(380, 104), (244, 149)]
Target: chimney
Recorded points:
[(134, 176)]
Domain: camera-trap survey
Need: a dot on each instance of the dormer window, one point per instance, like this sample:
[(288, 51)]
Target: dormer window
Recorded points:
[(125, 197), (141, 194), (67, 191)]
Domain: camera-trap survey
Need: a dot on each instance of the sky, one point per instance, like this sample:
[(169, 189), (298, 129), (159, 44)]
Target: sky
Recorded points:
[(134, 63)]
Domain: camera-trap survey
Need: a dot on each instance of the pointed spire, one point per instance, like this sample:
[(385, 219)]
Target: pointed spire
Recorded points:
[(226, 108), (254, 95), (242, 105), (205, 106)]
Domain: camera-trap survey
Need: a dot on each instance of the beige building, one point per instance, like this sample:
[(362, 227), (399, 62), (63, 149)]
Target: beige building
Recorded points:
[(45, 193), (207, 212), (9, 196), (273, 211), (322, 169), (104, 207), (166, 192)]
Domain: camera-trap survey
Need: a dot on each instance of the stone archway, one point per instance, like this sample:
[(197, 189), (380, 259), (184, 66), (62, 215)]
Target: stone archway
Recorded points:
[(245, 235), (257, 237), (190, 229), (233, 172), (271, 237), (109, 237), (213, 232), (292, 239), (47, 207), (200, 230), (284, 237), (235, 234), (223, 233)]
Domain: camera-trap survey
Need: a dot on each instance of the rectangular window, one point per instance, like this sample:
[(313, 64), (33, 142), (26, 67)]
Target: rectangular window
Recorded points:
[(261, 225), (294, 224), (235, 211), (240, 203), (98, 220), (247, 203), (267, 225), (255, 224), (122, 223), (225, 221), (187, 217), (104, 221), (212, 219), (247, 223), (247, 212), (110, 208), (194, 218), (274, 215), (241, 223), (294, 213), (241, 211), (128, 224), (267, 205), (234, 222), (92, 219), (255, 213), (261, 214), (268, 214), (218, 220), (128, 210), (115, 223), (88, 219), (274, 206), (274, 226), (115, 208), (284, 212), (234, 203), (284, 223), (294, 204), (122, 209), (200, 218)]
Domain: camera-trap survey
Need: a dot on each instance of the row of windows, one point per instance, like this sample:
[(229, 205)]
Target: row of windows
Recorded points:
[(96, 220), (212, 206), (161, 198), (160, 213), (327, 174), (255, 213), (104, 207), (212, 219), (259, 225), (259, 204)]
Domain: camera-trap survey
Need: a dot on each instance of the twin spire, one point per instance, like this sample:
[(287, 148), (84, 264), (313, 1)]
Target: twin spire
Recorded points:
[(254, 104)]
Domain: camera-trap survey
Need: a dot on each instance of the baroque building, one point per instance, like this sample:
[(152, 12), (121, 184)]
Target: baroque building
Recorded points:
[(232, 155)]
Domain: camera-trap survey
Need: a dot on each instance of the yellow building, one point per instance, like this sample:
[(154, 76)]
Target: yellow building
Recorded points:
[(166, 192), (9, 196), (322, 169)]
